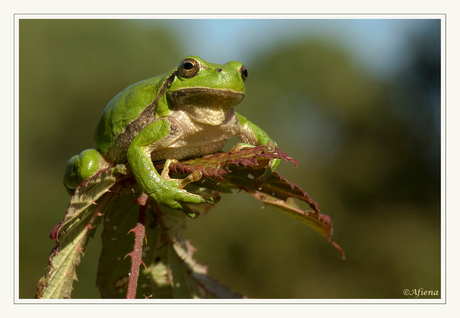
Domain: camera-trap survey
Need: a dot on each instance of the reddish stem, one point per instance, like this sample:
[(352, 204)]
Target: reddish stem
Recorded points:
[(136, 253)]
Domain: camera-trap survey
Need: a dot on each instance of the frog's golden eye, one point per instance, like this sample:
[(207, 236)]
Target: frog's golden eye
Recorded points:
[(244, 72), (189, 68)]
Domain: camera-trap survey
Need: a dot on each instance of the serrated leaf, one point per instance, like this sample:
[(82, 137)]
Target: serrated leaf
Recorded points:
[(317, 221), (280, 193), (66, 256), (72, 234), (244, 173), (170, 271), (276, 185), (217, 165)]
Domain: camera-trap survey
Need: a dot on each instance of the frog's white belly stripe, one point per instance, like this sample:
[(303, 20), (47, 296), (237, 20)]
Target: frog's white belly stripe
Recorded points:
[(189, 138)]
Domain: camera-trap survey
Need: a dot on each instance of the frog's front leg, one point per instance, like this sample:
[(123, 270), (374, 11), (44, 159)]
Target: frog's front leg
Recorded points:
[(252, 134), (161, 189)]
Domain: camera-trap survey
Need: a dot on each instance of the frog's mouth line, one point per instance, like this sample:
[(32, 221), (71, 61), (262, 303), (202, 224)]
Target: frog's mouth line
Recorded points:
[(203, 95)]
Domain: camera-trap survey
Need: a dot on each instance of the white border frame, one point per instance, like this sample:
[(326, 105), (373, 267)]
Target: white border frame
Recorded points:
[(443, 290)]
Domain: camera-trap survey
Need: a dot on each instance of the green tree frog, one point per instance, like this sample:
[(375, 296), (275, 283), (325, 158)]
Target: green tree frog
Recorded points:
[(187, 112)]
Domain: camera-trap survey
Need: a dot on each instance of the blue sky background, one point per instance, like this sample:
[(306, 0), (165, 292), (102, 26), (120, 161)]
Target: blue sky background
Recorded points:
[(378, 45)]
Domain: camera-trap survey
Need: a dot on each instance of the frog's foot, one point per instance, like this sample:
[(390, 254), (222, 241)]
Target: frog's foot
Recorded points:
[(269, 169), (174, 196), (195, 176), (272, 163), (270, 146)]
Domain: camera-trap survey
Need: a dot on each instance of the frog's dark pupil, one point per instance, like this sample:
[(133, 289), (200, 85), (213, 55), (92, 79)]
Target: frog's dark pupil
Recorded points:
[(245, 73), (188, 66)]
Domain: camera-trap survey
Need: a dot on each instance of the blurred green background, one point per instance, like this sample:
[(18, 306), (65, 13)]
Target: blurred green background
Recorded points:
[(355, 102)]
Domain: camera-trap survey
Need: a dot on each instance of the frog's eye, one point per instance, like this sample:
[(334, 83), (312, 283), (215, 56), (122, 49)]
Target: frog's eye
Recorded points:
[(244, 73), (189, 68)]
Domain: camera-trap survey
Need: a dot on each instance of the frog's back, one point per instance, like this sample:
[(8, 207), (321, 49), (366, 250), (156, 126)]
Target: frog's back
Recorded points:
[(124, 109)]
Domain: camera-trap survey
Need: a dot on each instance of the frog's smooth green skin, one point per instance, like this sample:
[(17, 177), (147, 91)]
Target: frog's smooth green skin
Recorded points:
[(187, 112)]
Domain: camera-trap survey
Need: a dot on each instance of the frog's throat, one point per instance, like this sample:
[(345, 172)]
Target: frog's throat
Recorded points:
[(207, 97)]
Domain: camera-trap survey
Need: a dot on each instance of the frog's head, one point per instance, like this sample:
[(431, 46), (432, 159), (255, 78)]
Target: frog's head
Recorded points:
[(199, 84)]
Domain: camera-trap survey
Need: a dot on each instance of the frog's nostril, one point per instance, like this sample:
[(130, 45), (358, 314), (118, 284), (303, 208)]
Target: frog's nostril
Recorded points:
[(219, 70)]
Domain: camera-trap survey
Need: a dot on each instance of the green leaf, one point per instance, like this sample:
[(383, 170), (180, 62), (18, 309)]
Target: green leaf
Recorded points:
[(72, 234)]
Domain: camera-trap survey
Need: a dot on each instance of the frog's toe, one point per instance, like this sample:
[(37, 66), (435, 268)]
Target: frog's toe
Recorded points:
[(241, 145), (195, 176), (189, 212), (188, 197), (165, 172)]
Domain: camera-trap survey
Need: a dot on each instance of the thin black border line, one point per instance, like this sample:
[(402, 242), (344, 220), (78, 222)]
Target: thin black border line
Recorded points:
[(230, 303), (445, 159), (14, 168)]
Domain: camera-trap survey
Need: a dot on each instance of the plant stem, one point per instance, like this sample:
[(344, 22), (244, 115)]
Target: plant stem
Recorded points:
[(136, 253)]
